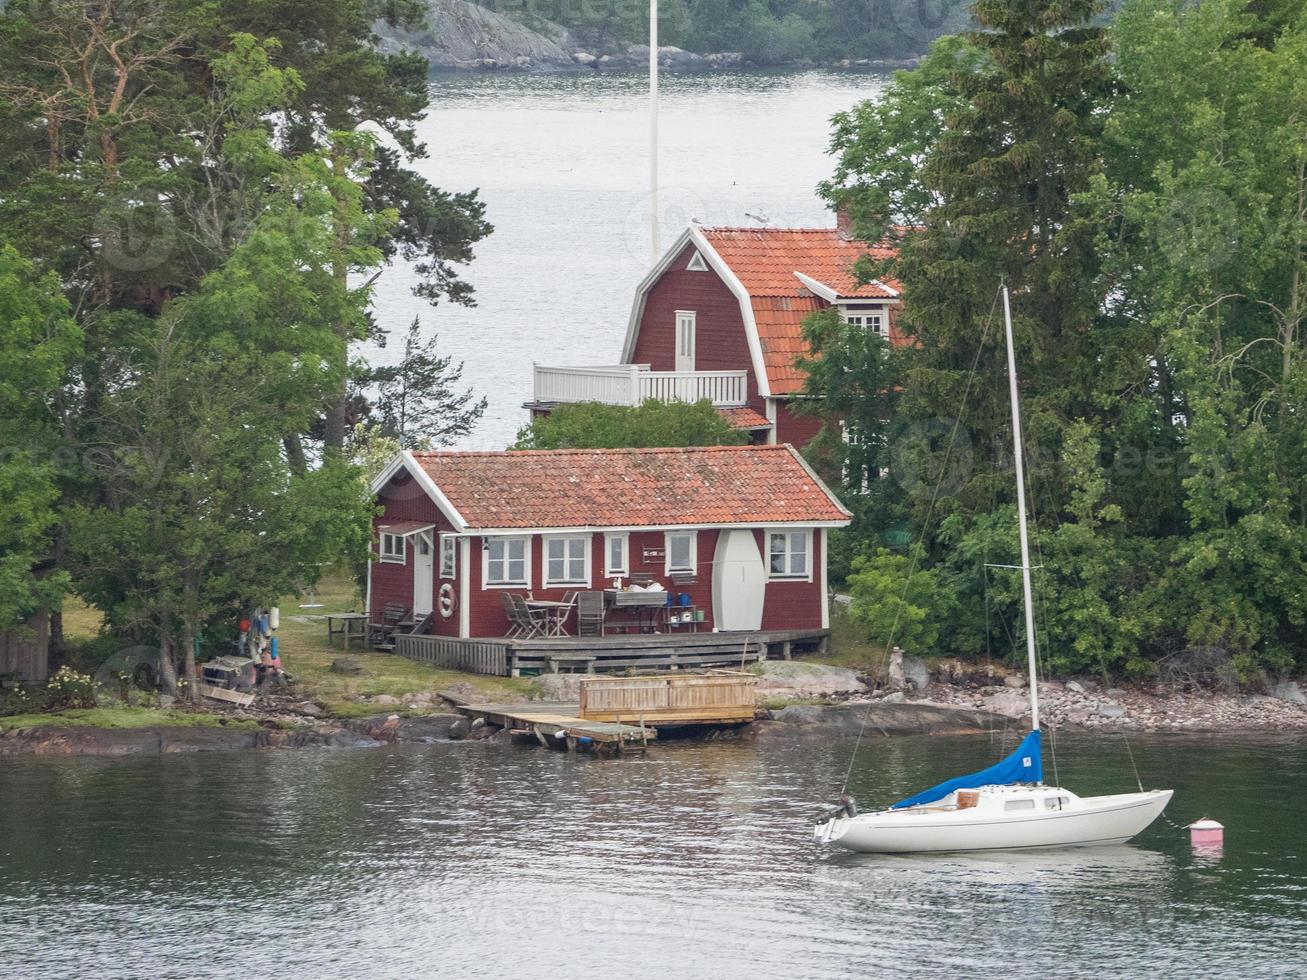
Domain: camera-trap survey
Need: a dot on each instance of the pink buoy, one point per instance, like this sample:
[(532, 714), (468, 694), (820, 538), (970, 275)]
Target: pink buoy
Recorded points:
[(1206, 833)]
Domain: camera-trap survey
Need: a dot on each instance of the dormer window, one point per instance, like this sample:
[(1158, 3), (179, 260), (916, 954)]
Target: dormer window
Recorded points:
[(873, 321), (697, 264)]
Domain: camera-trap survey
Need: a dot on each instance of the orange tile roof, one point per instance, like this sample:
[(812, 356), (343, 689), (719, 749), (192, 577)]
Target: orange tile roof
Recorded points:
[(744, 418), (568, 488), (765, 261)]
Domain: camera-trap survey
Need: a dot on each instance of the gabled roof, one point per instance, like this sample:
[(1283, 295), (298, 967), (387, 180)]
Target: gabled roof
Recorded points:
[(766, 260), (622, 488), (744, 418)]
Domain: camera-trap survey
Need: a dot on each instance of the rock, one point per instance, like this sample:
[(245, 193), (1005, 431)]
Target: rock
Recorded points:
[(557, 687), (308, 708), (1111, 709), (1115, 692), (386, 699), (876, 718), (1049, 685), (915, 672), (460, 728), (346, 665), (1015, 681), (1010, 704), (894, 697), (796, 678), (458, 34), (1075, 686), (584, 58), (1288, 691), (1078, 715)]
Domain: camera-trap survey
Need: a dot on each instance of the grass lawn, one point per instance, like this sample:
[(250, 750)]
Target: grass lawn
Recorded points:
[(121, 718), (849, 646), (307, 657)]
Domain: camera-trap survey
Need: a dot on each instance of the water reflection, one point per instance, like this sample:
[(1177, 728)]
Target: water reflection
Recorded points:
[(440, 860)]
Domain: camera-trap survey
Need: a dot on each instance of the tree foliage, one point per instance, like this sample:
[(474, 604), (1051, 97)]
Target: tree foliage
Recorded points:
[(593, 425), (1142, 192)]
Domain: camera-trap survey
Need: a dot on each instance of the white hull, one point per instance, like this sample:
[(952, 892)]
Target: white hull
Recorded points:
[(1084, 822)]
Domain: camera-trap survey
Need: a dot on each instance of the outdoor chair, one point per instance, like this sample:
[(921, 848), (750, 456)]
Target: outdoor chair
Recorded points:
[(381, 633), (558, 623), (590, 614), (531, 622), (516, 625)]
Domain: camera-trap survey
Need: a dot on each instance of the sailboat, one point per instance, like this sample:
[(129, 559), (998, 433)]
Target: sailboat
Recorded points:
[(1006, 806)]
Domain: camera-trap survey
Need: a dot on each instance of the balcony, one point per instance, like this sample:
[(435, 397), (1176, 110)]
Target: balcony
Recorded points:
[(632, 384)]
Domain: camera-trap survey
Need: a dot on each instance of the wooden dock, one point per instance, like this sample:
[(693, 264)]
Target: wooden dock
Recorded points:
[(504, 657), (556, 724)]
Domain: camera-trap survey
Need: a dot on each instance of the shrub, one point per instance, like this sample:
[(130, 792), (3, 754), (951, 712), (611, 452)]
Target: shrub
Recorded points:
[(69, 689)]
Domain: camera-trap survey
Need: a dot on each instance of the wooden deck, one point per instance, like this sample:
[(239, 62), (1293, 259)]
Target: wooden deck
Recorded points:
[(558, 725), (503, 657)]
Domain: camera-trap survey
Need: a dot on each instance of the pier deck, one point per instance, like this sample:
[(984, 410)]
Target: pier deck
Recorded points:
[(545, 720)]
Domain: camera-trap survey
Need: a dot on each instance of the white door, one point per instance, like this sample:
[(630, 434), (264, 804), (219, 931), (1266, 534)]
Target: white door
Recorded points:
[(739, 582), (684, 340), (424, 564)]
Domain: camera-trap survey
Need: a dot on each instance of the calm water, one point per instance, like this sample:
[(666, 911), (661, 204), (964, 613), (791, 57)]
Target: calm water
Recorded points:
[(562, 163), (486, 860)]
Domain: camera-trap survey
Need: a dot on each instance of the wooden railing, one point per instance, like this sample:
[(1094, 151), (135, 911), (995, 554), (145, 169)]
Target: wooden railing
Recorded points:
[(684, 697), (472, 656), (631, 384)]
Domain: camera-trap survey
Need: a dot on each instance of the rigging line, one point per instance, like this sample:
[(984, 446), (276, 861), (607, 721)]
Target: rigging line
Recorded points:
[(1130, 752), (930, 510)]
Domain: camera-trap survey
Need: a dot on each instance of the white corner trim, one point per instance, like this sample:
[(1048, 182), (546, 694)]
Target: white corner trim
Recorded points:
[(642, 293), (746, 305), (819, 289), (465, 587), (406, 460), (819, 481), (825, 587)]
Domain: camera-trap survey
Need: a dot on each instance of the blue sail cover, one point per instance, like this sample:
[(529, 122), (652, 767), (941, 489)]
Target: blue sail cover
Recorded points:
[(1023, 766)]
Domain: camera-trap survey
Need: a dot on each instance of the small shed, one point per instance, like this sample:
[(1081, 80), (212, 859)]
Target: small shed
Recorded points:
[(25, 650)]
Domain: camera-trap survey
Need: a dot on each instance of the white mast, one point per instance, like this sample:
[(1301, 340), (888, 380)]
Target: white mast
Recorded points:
[(1017, 454), (653, 132)]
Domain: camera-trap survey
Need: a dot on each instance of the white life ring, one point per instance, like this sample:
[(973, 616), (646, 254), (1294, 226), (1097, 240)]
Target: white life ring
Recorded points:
[(446, 600)]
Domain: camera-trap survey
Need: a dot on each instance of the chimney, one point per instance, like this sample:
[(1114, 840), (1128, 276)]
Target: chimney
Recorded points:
[(843, 223)]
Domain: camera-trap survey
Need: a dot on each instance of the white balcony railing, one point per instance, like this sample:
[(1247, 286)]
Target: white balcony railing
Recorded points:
[(631, 384)]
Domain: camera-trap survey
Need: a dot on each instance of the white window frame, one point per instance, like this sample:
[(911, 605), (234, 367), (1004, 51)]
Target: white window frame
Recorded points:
[(448, 550), (611, 570), (668, 568), (587, 546), (874, 320), (696, 263), (525, 582), (686, 340), (788, 574), (388, 555)]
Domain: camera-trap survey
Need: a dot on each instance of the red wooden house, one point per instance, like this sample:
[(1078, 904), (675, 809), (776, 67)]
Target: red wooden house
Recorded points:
[(740, 530), (720, 317)]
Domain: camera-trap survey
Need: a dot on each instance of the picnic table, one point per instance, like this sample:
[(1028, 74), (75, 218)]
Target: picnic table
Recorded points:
[(348, 626)]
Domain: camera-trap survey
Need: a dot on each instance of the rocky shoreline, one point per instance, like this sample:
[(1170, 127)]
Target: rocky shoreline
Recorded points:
[(799, 699)]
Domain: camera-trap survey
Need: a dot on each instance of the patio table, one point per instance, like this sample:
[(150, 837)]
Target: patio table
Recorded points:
[(348, 626)]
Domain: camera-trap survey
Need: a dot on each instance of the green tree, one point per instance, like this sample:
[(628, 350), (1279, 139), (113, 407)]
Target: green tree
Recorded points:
[(40, 344), (899, 602), (592, 425)]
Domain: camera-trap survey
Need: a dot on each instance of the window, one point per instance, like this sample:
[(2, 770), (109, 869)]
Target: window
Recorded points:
[(506, 561), (1011, 805), (875, 322), (567, 561), (857, 474), (448, 555), (617, 555), (392, 548), (788, 551), (1055, 802), (681, 548), (697, 264)]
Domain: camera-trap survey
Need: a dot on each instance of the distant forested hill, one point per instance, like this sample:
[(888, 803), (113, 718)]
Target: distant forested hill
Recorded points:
[(762, 31)]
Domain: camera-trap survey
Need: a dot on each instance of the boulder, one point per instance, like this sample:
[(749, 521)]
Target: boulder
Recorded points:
[(308, 709), (1075, 686), (1111, 709), (584, 58), (1015, 681), (1010, 704), (386, 699), (915, 672), (557, 687), (346, 665), (1289, 691), (894, 697), (796, 678)]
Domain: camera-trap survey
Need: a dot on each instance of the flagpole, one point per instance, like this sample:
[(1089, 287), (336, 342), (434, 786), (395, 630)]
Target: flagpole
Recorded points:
[(653, 132)]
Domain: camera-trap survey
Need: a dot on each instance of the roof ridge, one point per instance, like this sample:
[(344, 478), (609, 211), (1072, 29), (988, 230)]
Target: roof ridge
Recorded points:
[(579, 451)]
